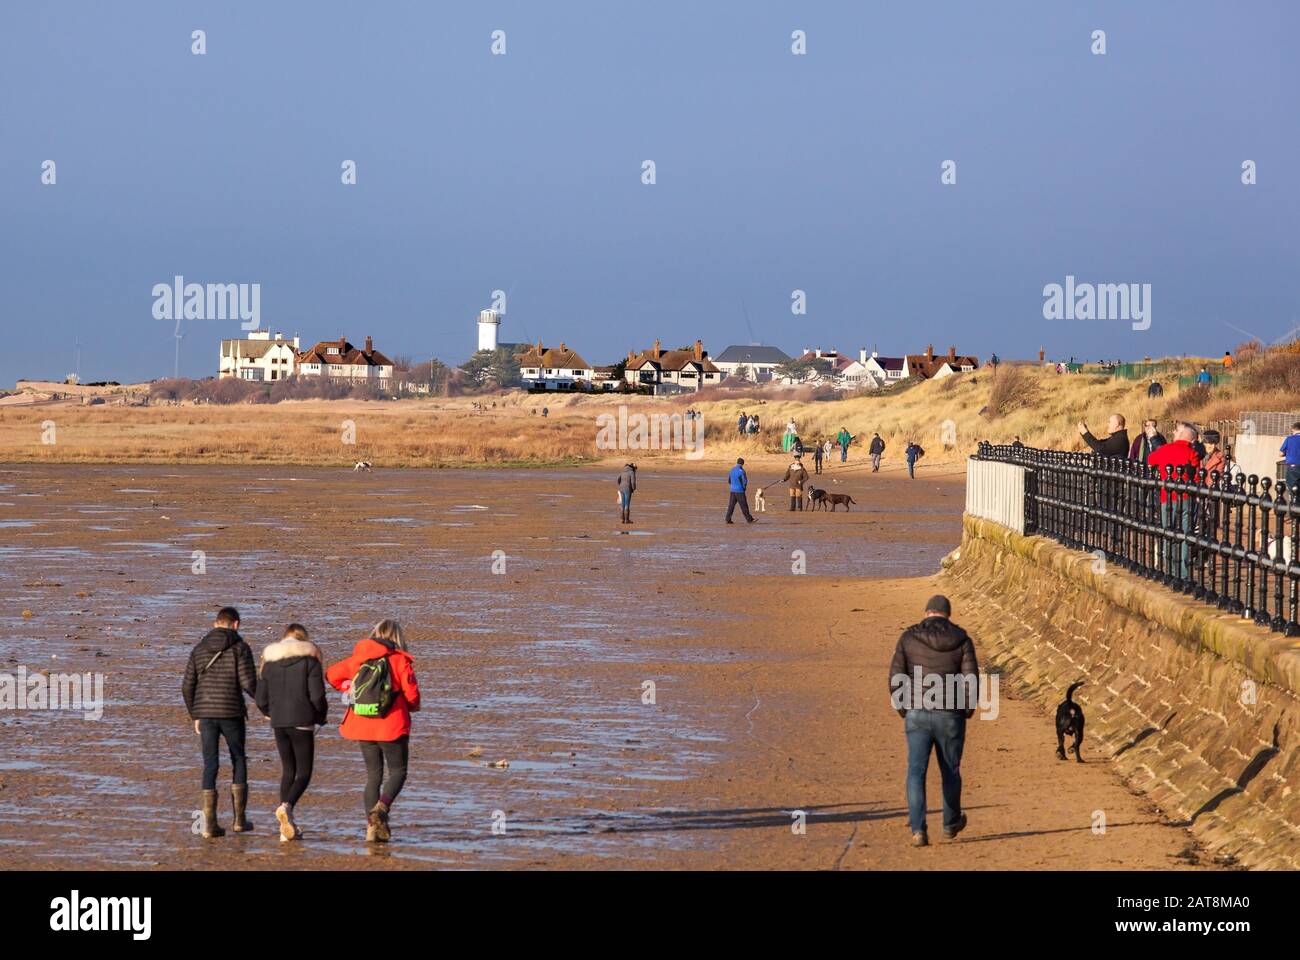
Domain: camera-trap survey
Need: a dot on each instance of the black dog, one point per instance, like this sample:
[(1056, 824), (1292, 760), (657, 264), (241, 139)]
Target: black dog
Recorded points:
[(1069, 723), (818, 497)]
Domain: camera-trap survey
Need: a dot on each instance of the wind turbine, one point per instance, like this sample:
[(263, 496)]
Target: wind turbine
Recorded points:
[(176, 370), (753, 341), (1285, 338)]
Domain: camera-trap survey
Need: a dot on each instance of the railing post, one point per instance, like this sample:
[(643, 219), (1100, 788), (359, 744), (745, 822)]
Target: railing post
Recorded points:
[(1278, 622), (1252, 541), (1225, 541), (1199, 557), (1293, 569), (1240, 497)]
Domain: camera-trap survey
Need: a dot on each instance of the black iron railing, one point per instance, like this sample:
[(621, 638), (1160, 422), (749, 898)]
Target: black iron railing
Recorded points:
[(1224, 540)]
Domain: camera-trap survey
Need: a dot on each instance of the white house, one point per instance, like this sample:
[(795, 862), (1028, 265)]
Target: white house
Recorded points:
[(553, 367), (340, 359), (605, 378), (886, 369), (259, 357), (850, 373), (672, 370), (754, 362)]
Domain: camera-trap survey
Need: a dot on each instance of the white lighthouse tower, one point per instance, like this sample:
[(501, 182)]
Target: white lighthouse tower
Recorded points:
[(488, 322)]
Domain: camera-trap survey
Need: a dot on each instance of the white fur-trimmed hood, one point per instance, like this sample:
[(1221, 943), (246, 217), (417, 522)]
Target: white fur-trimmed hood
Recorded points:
[(288, 648)]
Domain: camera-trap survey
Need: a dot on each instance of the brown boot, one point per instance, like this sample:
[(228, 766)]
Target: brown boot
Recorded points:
[(239, 794), (378, 822), (210, 826)]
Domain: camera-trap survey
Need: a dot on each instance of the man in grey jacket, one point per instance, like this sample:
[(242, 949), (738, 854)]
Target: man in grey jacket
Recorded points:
[(627, 487), (934, 686)]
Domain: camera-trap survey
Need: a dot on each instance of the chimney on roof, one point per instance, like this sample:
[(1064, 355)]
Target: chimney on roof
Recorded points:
[(658, 353), (279, 335), (370, 345), (874, 354), (1042, 354), (929, 352), (296, 344), (563, 348), (862, 355), (343, 342), (952, 353), (819, 351), (699, 349)]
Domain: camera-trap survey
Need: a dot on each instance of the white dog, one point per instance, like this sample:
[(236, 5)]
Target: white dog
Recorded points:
[(760, 505), (362, 465)]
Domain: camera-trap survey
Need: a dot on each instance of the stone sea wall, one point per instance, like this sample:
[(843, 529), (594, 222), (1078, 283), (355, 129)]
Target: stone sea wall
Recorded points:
[(1197, 709)]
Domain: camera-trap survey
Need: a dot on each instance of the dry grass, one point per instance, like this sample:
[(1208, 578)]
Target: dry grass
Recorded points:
[(1014, 388), (411, 433), (1038, 405)]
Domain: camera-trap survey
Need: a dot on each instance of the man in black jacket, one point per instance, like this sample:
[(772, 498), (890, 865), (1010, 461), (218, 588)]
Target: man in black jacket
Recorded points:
[(1114, 445), (219, 672), (934, 686)]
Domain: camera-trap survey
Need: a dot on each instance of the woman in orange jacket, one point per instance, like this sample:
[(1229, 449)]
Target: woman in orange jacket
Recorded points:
[(380, 676)]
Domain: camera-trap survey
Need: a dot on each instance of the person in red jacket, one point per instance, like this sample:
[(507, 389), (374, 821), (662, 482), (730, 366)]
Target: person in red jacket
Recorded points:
[(1174, 513), (385, 739)]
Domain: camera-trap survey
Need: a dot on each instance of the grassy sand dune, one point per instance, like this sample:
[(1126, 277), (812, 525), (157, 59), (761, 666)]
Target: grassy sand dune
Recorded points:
[(947, 417)]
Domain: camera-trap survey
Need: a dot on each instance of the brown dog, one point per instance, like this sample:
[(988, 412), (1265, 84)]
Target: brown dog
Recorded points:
[(835, 499)]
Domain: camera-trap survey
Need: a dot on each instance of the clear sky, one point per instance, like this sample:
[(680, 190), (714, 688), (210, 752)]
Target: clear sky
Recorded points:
[(523, 172)]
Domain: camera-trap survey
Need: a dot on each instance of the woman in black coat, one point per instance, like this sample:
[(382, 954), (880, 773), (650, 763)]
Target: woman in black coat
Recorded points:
[(291, 691)]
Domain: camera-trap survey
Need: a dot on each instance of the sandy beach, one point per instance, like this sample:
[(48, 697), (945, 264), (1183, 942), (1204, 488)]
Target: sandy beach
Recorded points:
[(769, 687)]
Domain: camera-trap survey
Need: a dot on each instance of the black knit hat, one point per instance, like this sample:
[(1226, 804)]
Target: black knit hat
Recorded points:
[(938, 604)]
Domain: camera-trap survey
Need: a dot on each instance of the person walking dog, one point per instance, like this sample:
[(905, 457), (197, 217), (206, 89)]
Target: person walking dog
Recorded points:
[(220, 671), (934, 654), (737, 483), (795, 476), (380, 677)]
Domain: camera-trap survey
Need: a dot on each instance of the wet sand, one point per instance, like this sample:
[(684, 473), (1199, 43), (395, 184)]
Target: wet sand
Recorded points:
[(769, 687)]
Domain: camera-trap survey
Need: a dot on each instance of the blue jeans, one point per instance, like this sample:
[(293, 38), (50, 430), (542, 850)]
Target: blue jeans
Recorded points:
[(945, 731), (844, 452), (911, 469), (1292, 479), (233, 730), (1177, 555)]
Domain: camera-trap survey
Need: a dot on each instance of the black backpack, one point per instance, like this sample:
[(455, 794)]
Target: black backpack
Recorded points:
[(372, 688)]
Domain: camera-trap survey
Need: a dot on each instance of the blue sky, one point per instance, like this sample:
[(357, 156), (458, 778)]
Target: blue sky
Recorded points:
[(775, 172)]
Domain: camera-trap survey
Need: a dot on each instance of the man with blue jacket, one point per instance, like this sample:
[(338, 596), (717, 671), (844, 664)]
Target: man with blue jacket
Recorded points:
[(737, 483), (1291, 454)]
